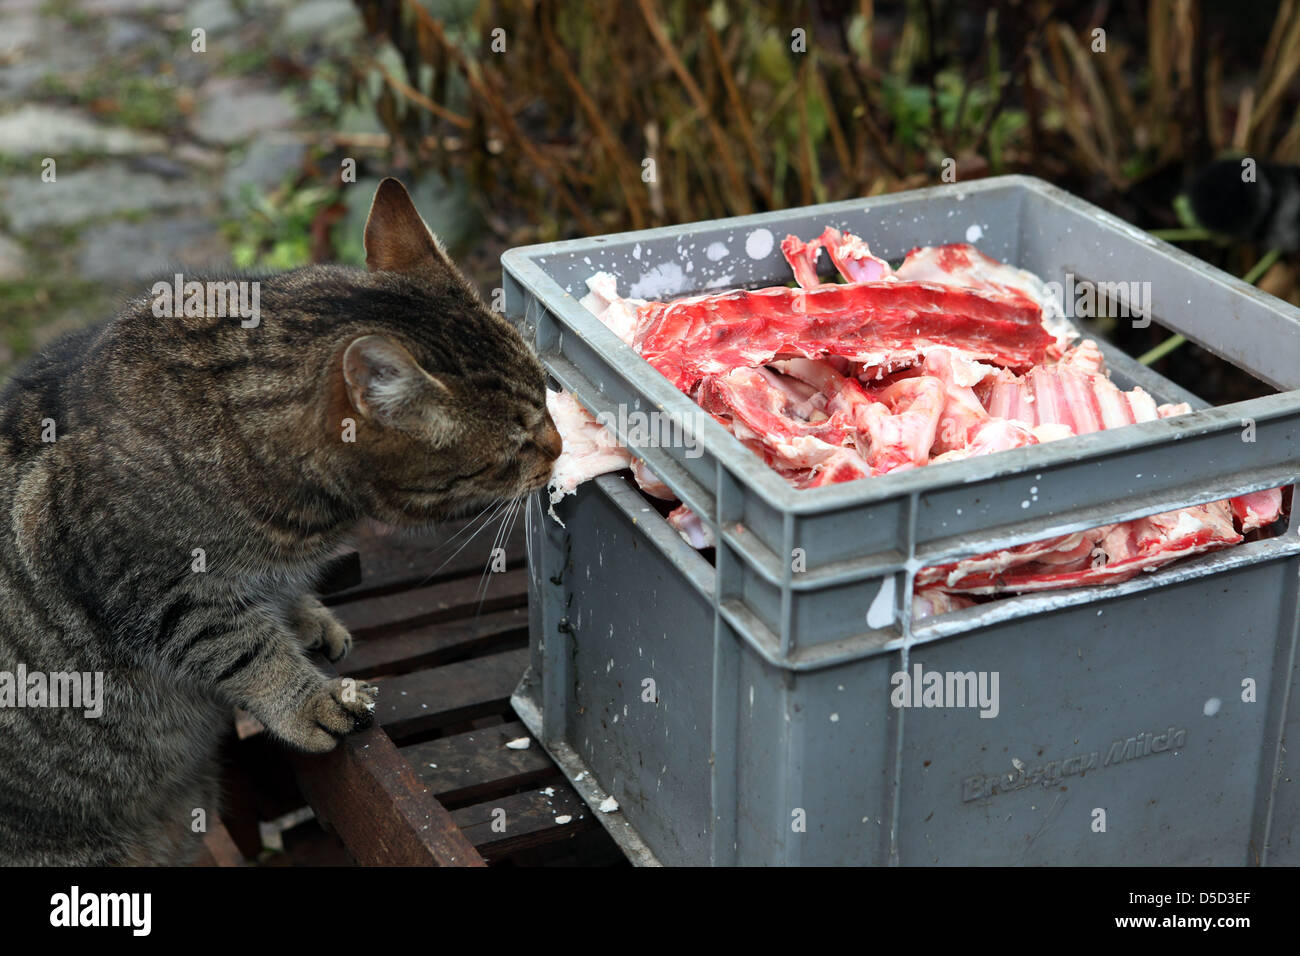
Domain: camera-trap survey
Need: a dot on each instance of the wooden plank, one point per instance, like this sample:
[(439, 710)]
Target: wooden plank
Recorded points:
[(436, 645), (218, 847), (445, 601), (477, 765), (399, 562), (426, 700), (385, 815), (310, 844), (590, 847), (530, 820)]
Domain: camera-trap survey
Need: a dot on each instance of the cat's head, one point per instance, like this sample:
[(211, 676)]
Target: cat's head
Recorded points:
[(448, 401)]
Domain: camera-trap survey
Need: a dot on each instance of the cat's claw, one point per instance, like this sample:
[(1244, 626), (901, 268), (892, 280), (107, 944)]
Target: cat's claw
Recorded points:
[(336, 709)]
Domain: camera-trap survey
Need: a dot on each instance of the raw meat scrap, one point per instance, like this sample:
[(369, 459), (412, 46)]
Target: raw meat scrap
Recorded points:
[(866, 322), (1257, 509), (852, 257), (589, 450), (650, 483), (929, 602), (1108, 554), (1064, 395), (961, 264), (901, 428), (850, 254), (962, 416), (602, 300), (694, 531), (786, 421), (802, 257), (953, 355)]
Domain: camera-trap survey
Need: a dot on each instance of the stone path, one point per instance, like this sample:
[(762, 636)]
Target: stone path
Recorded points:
[(159, 152)]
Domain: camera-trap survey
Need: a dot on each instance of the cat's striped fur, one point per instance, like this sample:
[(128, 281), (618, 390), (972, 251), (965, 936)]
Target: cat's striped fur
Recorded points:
[(177, 434)]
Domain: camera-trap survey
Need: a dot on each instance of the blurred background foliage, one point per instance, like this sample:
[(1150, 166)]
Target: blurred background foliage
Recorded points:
[(754, 106), (520, 121), (552, 111)]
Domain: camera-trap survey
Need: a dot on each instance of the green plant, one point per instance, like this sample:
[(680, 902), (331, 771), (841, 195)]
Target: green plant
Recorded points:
[(274, 231), (622, 115)]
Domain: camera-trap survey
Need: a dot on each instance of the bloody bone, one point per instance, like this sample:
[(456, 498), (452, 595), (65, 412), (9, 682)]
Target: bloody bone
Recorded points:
[(849, 253), (693, 337), (1109, 554)]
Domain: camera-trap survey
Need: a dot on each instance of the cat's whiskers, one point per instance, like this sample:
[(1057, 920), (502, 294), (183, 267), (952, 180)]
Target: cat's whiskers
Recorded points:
[(502, 535), (528, 539), (496, 507)]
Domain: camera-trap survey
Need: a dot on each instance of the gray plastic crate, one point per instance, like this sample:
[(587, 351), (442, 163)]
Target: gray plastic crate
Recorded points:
[(770, 737)]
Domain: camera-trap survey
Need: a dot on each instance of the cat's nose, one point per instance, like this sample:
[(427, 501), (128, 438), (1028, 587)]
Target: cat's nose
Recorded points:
[(549, 440)]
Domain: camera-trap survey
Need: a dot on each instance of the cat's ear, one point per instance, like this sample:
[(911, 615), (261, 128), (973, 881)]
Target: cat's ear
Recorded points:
[(397, 240), (386, 384)]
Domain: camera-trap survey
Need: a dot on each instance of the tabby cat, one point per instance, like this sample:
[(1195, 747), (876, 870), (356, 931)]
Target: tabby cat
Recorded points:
[(171, 486)]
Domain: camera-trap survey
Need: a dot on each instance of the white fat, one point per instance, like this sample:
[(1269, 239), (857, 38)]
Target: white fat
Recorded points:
[(604, 302), (590, 449), (603, 289), (1186, 525), (1052, 431)]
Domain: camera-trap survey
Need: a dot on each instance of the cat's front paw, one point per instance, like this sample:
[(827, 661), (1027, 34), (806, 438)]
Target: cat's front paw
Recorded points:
[(334, 710), (317, 627)]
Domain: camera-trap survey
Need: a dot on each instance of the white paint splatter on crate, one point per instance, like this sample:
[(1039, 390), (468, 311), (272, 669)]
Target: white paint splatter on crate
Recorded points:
[(759, 243), (881, 612)]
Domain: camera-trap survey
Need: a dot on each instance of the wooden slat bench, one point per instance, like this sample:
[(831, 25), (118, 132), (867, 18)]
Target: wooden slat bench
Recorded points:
[(433, 781)]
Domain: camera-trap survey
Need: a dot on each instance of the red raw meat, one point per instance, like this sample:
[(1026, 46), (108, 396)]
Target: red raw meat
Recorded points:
[(802, 257), (1065, 395), (931, 602), (850, 254), (1108, 554), (694, 531), (835, 382), (852, 257), (865, 322), (788, 423), (902, 426), (1257, 509), (964, 266), (961, 264)]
